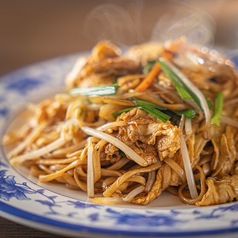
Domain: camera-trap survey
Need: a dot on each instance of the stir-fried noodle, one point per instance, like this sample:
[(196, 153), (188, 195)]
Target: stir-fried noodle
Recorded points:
[(133, 125)]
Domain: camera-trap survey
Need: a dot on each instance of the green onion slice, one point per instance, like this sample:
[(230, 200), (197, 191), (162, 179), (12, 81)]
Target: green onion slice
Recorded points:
[(116, 114), (147, 104), (190, 113), (121, 153), (151, 110), (157, 113), (97, 91), (217, 111), (182, 89), (177, 76)]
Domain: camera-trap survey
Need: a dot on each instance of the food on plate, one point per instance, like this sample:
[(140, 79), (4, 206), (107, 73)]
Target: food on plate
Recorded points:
[(132, 125)]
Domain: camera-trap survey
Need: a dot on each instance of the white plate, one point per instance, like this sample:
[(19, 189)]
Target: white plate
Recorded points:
[(59, 210)]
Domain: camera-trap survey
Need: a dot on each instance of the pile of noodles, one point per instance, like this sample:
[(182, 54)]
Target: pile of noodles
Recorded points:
[(64, 138)]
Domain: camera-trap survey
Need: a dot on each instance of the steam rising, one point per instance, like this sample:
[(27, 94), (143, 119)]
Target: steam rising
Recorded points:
[(127, 26), (182, 20), (112, 22)]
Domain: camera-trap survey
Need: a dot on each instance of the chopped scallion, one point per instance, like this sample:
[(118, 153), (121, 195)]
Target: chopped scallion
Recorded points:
[(190, 113), (151, 110), (121, 153), (182, 89), (157, 113), (198, 182), (218, 104), (116, 114), (97, 91), (192, 90), (147, 104)]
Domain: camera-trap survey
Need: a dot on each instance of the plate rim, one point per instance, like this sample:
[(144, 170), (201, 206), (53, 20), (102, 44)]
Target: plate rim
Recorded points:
[(52, 223)]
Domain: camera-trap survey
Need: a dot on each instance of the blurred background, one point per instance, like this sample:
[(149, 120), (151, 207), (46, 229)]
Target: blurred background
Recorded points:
[(32, 30)]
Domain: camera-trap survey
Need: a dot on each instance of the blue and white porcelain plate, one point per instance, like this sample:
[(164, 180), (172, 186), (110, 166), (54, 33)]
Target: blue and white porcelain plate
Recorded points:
[(56, 209)]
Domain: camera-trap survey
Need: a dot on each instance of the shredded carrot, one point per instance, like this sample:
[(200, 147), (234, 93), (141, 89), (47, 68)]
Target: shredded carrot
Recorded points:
[(149, 79)]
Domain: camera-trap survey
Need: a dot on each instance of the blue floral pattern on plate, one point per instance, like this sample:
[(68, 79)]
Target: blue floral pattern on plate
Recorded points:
[(59, 212), (9, 188)]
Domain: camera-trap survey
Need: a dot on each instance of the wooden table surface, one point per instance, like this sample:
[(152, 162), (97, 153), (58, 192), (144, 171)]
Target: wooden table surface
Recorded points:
[(39, 29)]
